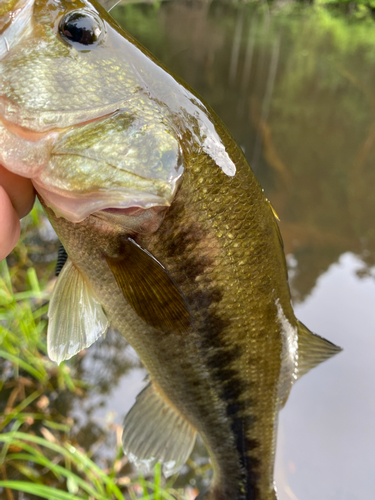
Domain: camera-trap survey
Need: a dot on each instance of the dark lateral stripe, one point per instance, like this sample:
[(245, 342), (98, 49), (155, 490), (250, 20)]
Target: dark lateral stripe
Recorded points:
[(178, 242), (232, 392), (249, 464)]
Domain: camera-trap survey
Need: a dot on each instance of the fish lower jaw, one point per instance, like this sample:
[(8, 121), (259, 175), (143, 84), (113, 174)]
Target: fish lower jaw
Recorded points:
[(121, 203), (131, 211)]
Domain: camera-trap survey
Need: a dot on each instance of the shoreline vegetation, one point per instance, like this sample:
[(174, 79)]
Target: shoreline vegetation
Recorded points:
[(355, 8)]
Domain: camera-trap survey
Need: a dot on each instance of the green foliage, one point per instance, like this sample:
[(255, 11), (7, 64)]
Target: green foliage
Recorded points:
[(37, 450), (83, 478), (360, 6)]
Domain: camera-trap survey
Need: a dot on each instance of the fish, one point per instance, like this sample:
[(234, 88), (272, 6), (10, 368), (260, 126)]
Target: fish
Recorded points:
[(166, 235)]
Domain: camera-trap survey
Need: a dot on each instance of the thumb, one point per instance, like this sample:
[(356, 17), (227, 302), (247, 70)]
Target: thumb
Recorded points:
[(9, 225)]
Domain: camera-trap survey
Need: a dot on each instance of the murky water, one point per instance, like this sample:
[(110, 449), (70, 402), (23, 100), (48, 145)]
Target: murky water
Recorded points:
[(295, 85)]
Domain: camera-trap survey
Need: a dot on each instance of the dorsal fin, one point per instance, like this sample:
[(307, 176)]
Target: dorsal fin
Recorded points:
[(155, 432), (76, 317), (312, 350), (149, 289), (62, 257)]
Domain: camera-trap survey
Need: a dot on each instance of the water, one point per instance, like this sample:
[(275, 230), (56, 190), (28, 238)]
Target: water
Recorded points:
[(327, 429), (295, 86)]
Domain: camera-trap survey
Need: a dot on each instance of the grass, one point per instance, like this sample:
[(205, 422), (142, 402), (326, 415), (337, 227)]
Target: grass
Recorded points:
[(81, 476), (39, 457)]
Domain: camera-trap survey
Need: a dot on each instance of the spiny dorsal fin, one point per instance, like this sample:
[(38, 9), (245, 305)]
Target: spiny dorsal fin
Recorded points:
[(62, 257), (149, 289), (155, 432), (312, 350), (76, 317)]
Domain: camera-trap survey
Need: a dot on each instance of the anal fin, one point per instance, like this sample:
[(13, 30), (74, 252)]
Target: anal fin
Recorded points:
[(312, 350), (155, 432)]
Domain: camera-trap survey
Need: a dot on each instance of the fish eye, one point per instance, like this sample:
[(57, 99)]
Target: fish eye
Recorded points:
[(81, 27)]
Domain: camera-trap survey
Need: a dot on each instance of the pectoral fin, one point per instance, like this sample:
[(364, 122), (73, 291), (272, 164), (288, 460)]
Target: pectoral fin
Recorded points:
[(312, 350), (76, 317), (149, 289), (156, 432)]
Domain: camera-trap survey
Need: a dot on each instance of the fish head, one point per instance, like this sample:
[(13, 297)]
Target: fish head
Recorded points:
[(79, 113)]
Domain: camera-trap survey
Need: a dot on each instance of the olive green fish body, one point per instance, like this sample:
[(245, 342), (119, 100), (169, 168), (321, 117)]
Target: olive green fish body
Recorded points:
[(221, 246), (227, 259)]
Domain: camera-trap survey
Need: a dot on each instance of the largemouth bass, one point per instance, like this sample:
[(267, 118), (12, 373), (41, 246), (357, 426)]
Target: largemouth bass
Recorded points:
[(169, 238)]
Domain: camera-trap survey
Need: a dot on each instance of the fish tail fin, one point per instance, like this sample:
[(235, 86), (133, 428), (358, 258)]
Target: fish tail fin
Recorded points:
[(312, 349)]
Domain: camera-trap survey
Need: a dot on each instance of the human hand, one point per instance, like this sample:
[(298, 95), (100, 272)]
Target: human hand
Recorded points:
[(17, 197)]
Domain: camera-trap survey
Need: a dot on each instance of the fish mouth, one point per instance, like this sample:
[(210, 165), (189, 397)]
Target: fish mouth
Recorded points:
[(132, 211), (39, 123), (120, 203), (32, 135)]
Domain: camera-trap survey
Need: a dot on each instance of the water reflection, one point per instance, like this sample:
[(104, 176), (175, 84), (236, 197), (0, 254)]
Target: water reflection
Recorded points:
[(327, 428)]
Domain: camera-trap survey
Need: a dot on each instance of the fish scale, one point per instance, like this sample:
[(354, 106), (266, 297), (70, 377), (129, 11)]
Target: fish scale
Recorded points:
[(216, 342), (234, 283)]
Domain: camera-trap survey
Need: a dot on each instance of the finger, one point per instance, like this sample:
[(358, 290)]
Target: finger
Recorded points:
[(9, 225), (20, 191)]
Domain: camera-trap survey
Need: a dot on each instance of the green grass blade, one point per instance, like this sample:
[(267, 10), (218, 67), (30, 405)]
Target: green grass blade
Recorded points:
[(22, 364), (33, 280), (38, 489), (81, 461), (160, 492), (18, 409), (4, 273), (59, 471), (157, 481)]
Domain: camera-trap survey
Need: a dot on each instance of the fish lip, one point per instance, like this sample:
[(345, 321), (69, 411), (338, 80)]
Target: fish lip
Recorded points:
[(79, 207), (28, 132), (132, 211)]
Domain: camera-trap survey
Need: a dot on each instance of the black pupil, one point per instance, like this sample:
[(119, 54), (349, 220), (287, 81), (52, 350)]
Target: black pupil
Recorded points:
[(80, 28)]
